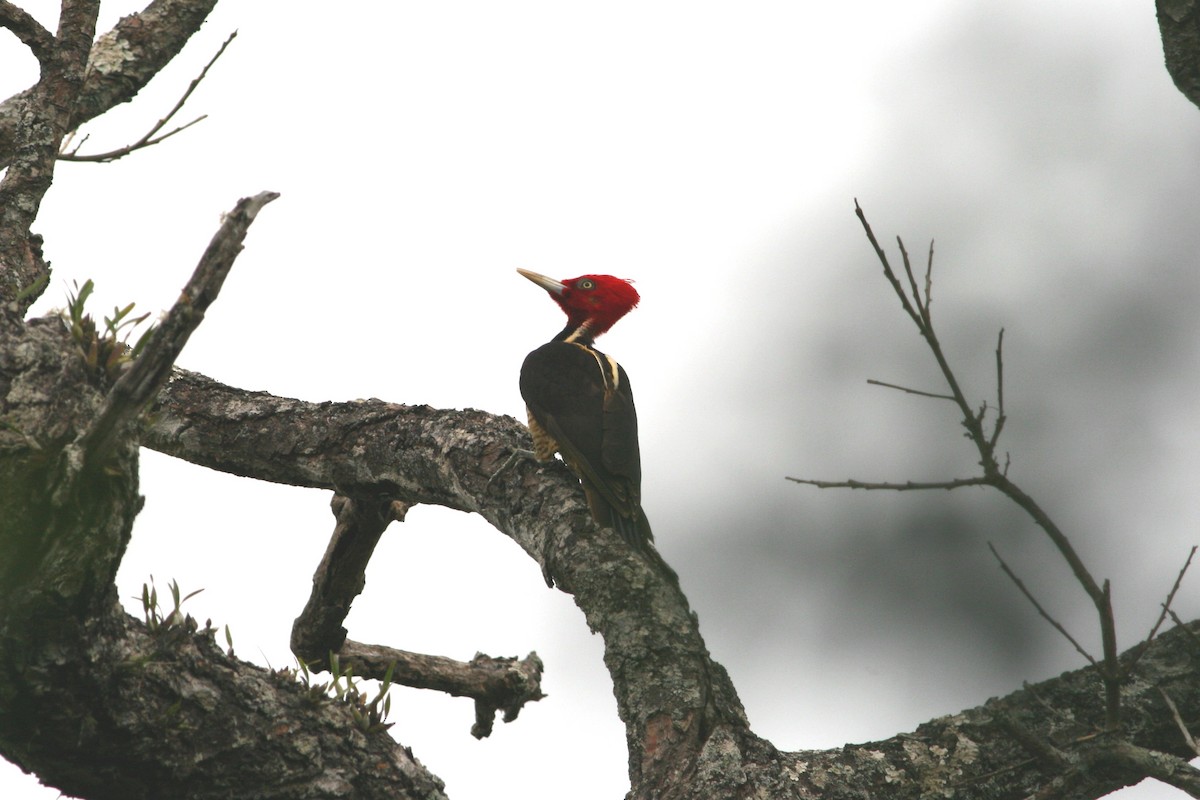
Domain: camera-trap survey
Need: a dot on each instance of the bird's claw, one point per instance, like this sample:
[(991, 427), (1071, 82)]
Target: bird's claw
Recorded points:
[(517, 455)]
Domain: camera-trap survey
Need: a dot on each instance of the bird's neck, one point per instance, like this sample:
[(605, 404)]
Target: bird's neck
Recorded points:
[(583, 333)]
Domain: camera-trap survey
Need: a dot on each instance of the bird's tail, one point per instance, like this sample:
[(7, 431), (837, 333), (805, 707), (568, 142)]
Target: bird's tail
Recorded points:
[(636, 531)]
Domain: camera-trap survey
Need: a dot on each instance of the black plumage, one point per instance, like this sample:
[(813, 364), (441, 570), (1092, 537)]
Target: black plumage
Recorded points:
[(580, 404)]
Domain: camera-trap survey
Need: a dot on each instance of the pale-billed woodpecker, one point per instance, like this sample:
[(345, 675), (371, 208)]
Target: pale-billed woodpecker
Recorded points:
[(580, 404)]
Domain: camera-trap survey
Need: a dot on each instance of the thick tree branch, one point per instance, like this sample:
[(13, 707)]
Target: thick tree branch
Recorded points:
[(31, 33)]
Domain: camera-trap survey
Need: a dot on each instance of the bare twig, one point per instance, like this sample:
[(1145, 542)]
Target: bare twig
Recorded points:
[(1166, 608), (993, 474), (929, 277), (1000, 417), (1187, 735), (1192, 637), (151, 138), (31, 33), (887, 268), (1046, 616), (922, 309), (1110, 673), (907, 486), (1101, 597), (1000, 373), (1037, 746), (907, 390)]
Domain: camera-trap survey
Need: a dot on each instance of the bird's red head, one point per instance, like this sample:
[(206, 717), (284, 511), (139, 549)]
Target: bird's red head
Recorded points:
[(596, 301)]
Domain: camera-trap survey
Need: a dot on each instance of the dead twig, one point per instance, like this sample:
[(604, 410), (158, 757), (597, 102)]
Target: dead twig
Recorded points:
[(917, 304), (1100, 595), (907, 390), (1000, 417), (1166, 608), (151, 137), (1187, 735), (1191, 636), (907, 486), (1045, 615)]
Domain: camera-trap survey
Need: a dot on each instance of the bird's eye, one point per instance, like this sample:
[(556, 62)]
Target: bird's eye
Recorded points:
[(586, 284)]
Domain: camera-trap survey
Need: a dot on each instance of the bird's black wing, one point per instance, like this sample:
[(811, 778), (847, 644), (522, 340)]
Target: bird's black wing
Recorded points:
[(582, 399)]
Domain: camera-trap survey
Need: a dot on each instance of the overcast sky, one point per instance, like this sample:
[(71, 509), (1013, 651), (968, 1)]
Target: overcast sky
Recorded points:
[(712, 153)]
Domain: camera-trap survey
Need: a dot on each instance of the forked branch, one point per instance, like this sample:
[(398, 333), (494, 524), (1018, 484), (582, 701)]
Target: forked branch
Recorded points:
[(495, 684), (151, 136), (916, 301)]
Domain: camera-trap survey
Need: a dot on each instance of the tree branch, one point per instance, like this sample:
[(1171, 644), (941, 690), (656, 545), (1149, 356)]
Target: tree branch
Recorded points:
[(670, 695), (907, 486), (993, 474), (42, 119), (496, 684), (907, 390), (150, 370), (1045, 615), (122, 61), (31, 33), (150, 138), (1142, 762), (1166, 609)]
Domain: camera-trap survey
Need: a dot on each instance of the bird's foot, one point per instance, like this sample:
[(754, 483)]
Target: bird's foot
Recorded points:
[(516, 456)]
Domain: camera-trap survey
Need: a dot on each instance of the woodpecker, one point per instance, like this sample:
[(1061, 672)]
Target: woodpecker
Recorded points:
[(580, 405)]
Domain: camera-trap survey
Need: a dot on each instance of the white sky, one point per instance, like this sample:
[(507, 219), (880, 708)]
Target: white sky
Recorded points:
[(710, 151)]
